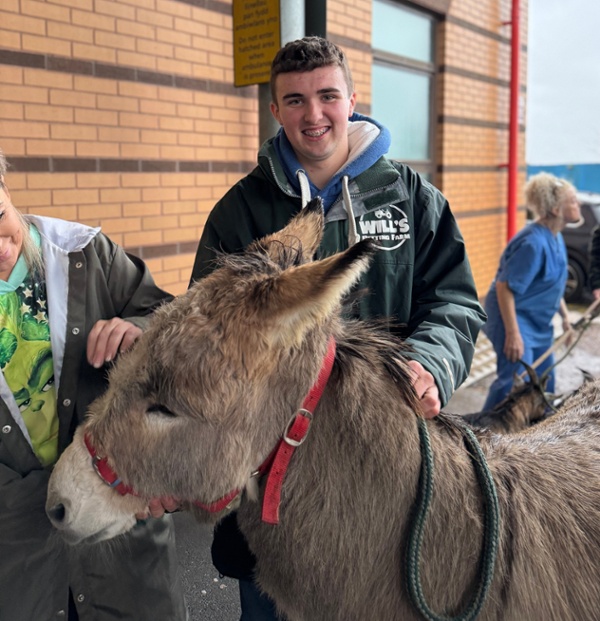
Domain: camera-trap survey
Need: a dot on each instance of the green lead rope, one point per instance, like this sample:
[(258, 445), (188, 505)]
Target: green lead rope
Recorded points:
[(491, 528)]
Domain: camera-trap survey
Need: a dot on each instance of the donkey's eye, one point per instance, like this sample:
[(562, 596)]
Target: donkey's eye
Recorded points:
[(157, 408)]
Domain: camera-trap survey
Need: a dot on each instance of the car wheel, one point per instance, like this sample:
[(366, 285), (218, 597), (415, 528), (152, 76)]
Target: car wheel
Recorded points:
[(575, 281)]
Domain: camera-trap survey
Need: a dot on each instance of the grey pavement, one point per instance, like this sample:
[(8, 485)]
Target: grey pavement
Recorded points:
[(209, 597)]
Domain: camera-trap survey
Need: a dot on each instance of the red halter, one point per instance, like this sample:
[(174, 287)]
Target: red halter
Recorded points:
[(275, 466), (105, 472)]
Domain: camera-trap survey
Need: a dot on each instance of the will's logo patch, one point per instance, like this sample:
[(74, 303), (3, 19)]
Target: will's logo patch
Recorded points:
[(387, 228)]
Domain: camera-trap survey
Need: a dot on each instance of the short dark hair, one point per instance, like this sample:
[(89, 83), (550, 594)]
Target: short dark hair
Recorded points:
[(307, 54)]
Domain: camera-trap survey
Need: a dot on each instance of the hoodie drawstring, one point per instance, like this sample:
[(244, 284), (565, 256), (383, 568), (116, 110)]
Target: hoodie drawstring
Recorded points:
[(304, 187), (347, 201), (352, 232)]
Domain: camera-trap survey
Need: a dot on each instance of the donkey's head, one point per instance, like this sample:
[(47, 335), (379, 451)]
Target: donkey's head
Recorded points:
[(207, 390), (530, 401)]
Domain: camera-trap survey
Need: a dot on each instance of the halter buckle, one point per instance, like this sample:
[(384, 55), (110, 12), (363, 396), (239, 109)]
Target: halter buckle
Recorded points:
[(96, 461), (291, 441)]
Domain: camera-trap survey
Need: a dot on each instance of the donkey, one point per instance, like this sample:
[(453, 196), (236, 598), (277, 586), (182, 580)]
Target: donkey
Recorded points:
[(526, 404), (258, 351)]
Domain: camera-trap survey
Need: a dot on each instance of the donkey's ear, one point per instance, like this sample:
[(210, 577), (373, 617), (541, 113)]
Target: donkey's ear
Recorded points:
[(304, 296), (299, 239)]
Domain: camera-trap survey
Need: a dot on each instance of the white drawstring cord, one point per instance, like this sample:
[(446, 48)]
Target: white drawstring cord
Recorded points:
[(305, 197), (352, 232), (304, 187)]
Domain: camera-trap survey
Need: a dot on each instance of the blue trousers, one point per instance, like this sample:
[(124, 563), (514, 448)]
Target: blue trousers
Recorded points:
[(506, 371), (256, 606)]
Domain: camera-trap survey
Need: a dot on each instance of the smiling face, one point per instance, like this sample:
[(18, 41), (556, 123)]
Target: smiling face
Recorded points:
[(11, 234), (30, 376), (313, 108)]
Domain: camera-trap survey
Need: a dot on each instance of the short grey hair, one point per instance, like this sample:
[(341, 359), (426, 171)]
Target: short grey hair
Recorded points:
[(29, 249), (544, 193)]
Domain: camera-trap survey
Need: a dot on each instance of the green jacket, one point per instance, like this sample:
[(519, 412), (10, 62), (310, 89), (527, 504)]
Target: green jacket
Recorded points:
[(420, 277), (88, 278)]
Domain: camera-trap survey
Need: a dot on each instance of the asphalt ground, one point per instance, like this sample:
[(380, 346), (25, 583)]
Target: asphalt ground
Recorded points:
[(208, 596)]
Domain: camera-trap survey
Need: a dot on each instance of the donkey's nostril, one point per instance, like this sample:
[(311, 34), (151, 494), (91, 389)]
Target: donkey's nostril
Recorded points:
[(56, 513)]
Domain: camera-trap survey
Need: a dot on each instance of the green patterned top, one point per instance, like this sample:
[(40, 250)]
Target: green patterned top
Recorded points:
[(26, 356)]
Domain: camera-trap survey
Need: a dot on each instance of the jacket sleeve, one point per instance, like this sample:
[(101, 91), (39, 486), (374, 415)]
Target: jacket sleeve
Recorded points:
[(131, 287), (595, 259), (446, 315), (251, 209), (208, 247), (229, 228)]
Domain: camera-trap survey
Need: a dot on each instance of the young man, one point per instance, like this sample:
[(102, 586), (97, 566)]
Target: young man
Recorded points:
[(420, 278)]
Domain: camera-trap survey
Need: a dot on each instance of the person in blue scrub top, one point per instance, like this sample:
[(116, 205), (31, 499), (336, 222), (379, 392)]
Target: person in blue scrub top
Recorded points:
[(529, 285)]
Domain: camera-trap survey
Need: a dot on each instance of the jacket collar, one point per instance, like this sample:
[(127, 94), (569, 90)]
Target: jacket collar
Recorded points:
[(379, 185), (63, 235), (367, 140)]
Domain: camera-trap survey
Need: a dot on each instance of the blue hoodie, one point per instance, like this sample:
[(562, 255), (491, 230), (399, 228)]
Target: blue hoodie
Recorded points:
[(332, 190)]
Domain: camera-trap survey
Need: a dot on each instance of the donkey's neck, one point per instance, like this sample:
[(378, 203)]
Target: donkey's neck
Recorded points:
[(363, 457)]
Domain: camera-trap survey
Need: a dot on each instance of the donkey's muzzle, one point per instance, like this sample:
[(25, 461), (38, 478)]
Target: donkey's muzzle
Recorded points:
[(56, 514)]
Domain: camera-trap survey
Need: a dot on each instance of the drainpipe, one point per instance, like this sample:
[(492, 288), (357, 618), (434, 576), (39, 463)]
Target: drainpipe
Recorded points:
[(292, 24), (513, 130), (298, 18)]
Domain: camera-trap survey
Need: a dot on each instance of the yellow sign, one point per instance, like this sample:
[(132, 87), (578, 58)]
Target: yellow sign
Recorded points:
[(256, 39)]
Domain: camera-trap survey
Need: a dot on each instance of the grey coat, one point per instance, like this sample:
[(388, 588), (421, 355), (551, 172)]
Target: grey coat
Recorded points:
[(88, 278)]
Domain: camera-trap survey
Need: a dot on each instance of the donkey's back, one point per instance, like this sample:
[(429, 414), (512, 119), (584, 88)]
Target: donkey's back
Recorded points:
[(548, 482), (339, 553)]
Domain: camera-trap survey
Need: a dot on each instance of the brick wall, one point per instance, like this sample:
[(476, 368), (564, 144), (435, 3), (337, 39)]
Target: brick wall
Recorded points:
[(473, 125), (349, 25), (124, 115), (472, 112)]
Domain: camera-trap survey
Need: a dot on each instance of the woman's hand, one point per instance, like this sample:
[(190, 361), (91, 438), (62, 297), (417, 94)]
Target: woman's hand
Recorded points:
[(569, 331), (109, 337), (513, 346)]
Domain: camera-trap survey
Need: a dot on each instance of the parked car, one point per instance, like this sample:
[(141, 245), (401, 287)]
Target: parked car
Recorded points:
[(578, 237)]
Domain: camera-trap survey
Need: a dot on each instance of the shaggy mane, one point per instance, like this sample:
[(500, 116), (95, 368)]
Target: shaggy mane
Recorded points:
[(372, 342), (258, 260)]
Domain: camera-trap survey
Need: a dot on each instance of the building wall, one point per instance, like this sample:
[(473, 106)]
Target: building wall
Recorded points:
[(123, 114), (474, 128)]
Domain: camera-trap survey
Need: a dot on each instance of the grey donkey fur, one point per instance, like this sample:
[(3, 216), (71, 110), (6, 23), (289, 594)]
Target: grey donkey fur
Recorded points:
[(206, 392)]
